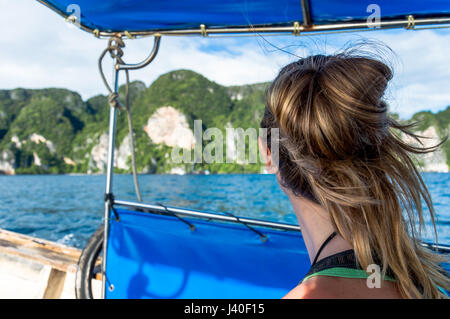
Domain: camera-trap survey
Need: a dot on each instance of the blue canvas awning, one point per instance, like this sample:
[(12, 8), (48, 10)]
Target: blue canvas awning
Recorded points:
[(200, 16), (156, 256)]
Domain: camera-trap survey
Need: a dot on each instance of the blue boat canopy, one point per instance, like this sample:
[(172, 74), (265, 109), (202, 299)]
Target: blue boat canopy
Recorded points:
[(143, 17)]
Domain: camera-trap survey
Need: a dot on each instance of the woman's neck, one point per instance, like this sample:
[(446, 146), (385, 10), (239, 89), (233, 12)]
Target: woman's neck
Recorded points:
[(316, 226)]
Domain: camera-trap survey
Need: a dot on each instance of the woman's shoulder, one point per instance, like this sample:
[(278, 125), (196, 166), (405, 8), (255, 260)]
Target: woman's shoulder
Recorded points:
[(313, 288), (326, 287)]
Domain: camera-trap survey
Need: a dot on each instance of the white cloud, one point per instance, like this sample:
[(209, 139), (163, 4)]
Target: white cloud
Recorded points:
[(422, 76), (41, 50)]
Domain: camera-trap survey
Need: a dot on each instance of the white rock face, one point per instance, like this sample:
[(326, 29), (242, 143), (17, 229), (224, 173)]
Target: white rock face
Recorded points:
[(15, 139), (36, 138), (231, 151), (122, 154), (68, 99), (177, 171), (169, 126), (69, 161), (99, 154), (434, 161), (237, 96), (14, 95), (36, 159), (7, 162)]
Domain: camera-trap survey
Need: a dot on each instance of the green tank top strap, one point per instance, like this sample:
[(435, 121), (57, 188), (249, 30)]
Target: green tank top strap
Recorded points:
[(345, 265), (344, 272)]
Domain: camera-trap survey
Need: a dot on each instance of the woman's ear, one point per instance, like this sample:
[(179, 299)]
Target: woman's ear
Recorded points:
[(266, 156)]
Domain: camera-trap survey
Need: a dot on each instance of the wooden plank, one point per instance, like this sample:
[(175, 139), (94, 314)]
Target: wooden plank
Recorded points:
[(59, 257), (35, 268), (55, 284)]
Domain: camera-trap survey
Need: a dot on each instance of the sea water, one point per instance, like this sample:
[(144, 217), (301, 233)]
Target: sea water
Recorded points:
[(69, 208)]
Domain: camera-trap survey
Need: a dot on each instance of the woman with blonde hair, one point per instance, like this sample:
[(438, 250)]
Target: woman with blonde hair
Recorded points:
[(351, 180)]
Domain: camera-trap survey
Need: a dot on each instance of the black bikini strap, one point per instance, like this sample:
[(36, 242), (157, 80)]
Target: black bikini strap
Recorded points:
[(323, 245)]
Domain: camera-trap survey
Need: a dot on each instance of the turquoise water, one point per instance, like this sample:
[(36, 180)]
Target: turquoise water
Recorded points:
[(68, 209)]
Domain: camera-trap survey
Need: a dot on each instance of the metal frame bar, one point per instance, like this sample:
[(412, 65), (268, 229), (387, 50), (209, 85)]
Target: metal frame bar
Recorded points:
[(306, 13), (439, 247), (258, 30), (109, 174), (291, 29), (313, 29), (109, 198), (145, 62), (207, 215)]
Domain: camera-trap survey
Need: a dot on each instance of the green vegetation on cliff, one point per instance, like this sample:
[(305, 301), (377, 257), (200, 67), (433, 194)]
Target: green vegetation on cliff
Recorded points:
[(55, 131)]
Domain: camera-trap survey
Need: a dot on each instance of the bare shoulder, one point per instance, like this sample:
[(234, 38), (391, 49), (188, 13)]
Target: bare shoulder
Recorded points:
[(325, 287), (310, 289)]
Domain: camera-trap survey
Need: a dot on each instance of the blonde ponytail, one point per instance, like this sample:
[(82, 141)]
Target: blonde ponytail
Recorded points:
[(340, 148)]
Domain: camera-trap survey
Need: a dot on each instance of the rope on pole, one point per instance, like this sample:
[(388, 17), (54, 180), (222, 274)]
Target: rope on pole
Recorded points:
[(115, 45)]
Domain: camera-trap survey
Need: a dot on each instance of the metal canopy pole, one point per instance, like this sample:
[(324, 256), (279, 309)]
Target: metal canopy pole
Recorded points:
[(306, 13), (116, 53), (109, 173), (147, 60)]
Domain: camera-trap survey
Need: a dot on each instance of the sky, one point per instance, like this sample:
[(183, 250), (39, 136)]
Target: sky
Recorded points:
[(38, 49)]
